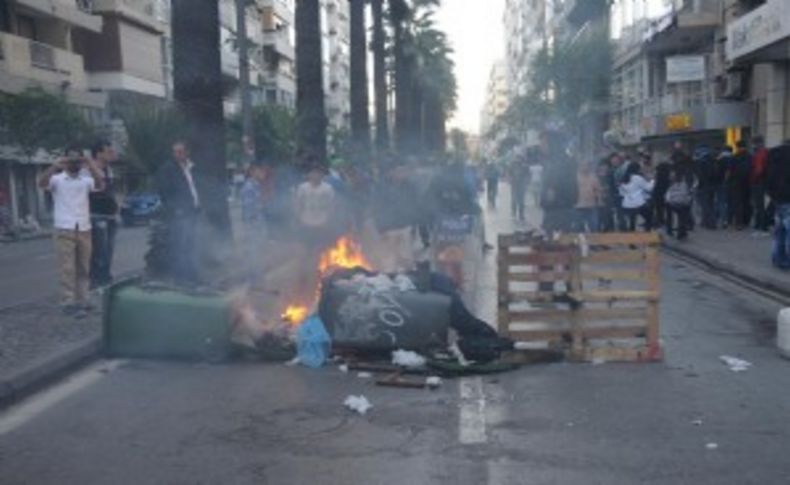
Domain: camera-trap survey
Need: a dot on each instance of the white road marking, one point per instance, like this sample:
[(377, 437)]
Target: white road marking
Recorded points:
[(19, 414), (472, 418)]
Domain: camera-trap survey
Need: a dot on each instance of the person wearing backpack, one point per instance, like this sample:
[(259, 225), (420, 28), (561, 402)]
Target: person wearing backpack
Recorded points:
[(678, 199)]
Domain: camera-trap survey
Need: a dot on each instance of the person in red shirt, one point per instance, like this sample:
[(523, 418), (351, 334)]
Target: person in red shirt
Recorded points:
[(758, 182)]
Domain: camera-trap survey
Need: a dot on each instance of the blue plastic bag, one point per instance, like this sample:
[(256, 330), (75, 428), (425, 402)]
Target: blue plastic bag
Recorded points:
[(313, 343)]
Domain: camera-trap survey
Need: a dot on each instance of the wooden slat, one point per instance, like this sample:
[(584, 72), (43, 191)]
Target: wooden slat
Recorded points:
[(654, 285), (539, 335), (545, 276), (614, 257), (557, 315), (538, 259), (614, 274), (616, 238), (503, 287), (597, 314), (615, 332), (615, 296)]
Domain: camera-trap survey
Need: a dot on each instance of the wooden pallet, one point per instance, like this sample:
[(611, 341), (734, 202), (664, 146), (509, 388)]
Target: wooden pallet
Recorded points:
[(594, 296)]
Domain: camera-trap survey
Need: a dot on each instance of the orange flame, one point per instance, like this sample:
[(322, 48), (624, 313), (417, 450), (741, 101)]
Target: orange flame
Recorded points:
[(346, 254), (295, 314)]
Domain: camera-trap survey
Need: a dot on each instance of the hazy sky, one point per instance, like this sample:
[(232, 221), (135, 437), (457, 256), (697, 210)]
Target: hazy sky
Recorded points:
[(476, 31)]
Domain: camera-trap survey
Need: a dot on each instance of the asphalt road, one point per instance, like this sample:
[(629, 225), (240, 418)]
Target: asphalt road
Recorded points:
[(28, 269), (688, 420)]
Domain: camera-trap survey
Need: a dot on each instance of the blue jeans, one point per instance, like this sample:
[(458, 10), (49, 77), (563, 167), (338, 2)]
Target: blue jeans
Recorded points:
[(781, 253), (587, 219), (103, 231)]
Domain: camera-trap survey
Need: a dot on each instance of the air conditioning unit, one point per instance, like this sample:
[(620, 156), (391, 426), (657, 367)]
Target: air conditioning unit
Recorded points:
[(732, 85)]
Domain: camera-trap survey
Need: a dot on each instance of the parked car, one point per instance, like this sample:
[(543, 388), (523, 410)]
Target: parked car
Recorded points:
[(139, 208)]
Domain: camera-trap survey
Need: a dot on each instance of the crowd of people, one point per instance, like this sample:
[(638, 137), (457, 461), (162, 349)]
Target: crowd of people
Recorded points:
[(747, 188)]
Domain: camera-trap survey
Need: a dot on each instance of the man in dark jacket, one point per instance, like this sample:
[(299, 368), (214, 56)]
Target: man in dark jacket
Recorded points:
[(778, 187), (104, 217), (178, 187), (560, 185), (705, 170), (757, 181)]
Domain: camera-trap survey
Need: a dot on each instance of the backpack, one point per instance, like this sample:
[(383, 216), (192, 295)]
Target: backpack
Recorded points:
[(679, 194)]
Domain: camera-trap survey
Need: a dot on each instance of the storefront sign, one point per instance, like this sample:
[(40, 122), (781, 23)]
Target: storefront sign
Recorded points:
[(678, 122), (683, 69), (759, 28)]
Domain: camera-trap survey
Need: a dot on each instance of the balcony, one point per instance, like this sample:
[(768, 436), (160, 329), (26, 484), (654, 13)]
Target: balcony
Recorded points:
[(280, 9), (74, 12), (141, 12), (759, 33), (689, 25), (279, 42), (30, 60)]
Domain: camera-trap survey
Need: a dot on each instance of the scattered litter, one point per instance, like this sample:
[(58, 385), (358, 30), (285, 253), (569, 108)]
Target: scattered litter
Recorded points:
[(407, 358), (313, 343), (343, 368), (359, 404), (697, 422), (712, 446), (570, 425), (433, 381), (735, 364), (456, 351), (364, 375), (293, 362), (598, 361)]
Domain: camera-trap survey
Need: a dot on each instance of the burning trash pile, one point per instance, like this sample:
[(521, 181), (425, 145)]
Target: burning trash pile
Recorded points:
[(360, 315)]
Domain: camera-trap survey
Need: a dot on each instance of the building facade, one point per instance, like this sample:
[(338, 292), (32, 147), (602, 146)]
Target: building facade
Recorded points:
[(527, 31), (669, 78), (496, 103)]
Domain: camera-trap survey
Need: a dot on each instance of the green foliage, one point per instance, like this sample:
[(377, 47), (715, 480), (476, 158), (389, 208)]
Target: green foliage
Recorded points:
[(460, 146), (151, 132), (36, 119), (274, 132)]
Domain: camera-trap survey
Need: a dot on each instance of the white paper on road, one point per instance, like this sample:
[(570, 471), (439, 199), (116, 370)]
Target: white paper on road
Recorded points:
[(405, 358), (735, 364), (359, 404)]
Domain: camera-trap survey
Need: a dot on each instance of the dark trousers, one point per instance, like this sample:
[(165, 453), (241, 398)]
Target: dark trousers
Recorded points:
[(683, 215), (706, 197), (659, 210), (759, 209), (606, 219), (631, 215), (182, 257), (492, 190), (740, 205), (103, 230)]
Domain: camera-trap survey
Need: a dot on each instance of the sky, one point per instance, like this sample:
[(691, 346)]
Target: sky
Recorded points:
[(477, 34)]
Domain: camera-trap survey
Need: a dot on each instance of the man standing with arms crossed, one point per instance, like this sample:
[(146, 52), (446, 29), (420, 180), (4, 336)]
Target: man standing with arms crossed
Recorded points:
[(71, 181)]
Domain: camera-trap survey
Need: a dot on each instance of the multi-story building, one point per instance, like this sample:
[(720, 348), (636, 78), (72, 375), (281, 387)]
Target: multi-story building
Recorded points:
[(278, 76), (757, 67), (337, 62), (496, 103), (41, 46), (667, 75), (526, 33)]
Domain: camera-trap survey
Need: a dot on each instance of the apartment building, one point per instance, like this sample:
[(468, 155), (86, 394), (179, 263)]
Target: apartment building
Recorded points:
[(669, 75), (527, 31), (40, 46), (496, 103), (337, 62), (757, 55), (278, 76)]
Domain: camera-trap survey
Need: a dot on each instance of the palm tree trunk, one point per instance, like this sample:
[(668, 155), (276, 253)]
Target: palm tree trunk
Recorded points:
[(197, 83), (403, 104), (360, 115), (380, 77), (244, 77), (310, 108)]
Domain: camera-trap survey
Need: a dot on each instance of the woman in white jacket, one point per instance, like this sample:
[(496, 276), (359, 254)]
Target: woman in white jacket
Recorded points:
[(636, 192)]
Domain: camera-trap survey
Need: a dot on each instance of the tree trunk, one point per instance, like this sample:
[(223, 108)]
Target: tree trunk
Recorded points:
[(244, 81), (380, 77), (360, 114), (403, 104), (310, 108), (197, 83)]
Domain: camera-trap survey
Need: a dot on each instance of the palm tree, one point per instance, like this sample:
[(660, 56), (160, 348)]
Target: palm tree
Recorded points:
[(310, 109), (380, 76), (360, 116), (197, 83)]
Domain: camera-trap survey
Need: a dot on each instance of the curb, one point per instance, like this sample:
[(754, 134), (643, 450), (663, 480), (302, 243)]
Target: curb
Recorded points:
[(771, 284), (46, 370)]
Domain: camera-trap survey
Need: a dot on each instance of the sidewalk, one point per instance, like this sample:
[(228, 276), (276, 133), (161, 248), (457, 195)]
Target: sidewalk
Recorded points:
[(37, 343), (736, 252)]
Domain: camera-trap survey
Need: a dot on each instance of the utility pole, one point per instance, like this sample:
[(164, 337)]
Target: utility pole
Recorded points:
[(248, 140)]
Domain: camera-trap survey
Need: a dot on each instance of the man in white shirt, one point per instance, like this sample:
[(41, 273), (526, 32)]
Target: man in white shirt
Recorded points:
[(315, 205), (71, 181)]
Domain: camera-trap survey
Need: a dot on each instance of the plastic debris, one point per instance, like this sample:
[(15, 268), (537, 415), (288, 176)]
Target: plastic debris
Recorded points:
[(364, 375), (358, 404), (407, 358), (433, 381), (598, 361), (735, 364), (343, 368), (456, 351), (293, 362), (313, 344), (697, 422), (712, 446)]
